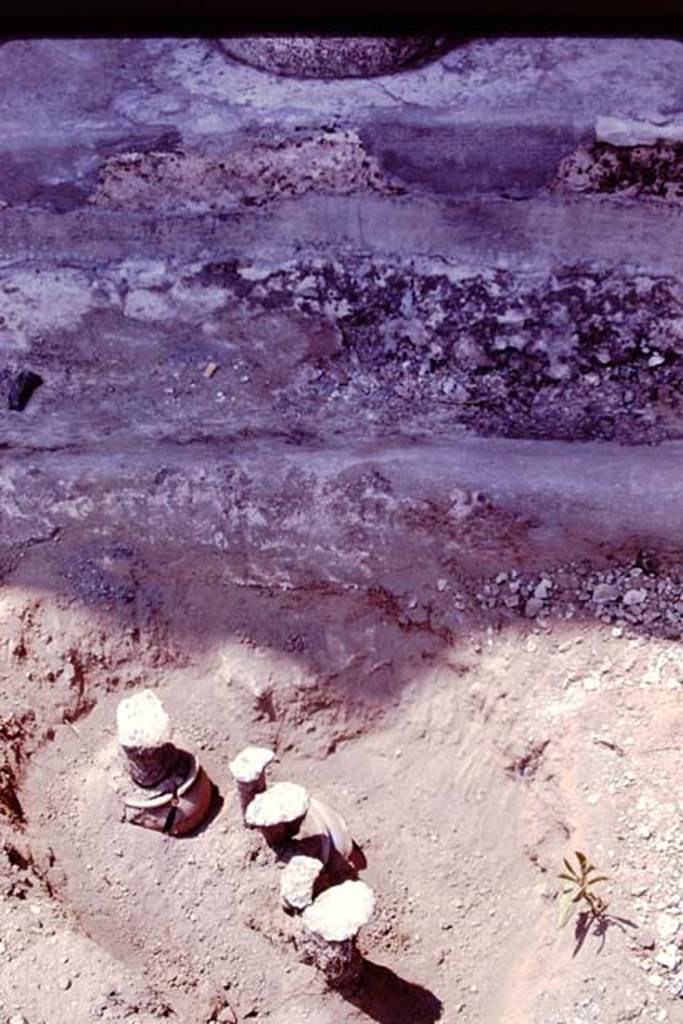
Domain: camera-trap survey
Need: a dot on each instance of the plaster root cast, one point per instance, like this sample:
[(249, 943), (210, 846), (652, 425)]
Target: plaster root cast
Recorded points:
[(162, 786), (279, 811), (330, 928), (318, 848), (248, 770)]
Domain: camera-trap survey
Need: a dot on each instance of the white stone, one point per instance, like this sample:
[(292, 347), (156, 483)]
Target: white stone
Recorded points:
[(284, 802), (618, 131), (142, 721), (250, 763), (542, 589), (633, 597), (340, 912), (297, 881), (669, 957), (605, 592), (667, 926)]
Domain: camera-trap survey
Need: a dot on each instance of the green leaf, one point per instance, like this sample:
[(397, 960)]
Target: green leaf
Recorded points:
[(567, 909), (582, 859), (570, 869), (600, 878), (568, 878)]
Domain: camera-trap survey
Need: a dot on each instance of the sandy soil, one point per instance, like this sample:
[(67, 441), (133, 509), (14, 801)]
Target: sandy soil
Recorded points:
[(467, 766), (468, 644)]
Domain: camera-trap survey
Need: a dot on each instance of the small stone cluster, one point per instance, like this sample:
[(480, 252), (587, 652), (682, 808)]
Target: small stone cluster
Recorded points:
[(658, 891), (335, 163), (624, 596), (577, 354), (629, 159), (318, 881)]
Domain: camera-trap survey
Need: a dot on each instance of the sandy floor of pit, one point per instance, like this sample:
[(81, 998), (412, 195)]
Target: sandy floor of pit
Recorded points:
[(464, 787)]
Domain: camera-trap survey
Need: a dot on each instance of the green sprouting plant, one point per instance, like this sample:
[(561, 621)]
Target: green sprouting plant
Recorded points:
[(580, 890)]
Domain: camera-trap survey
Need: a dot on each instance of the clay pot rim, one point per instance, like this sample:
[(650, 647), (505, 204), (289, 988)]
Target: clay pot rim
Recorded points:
[(165, 799)]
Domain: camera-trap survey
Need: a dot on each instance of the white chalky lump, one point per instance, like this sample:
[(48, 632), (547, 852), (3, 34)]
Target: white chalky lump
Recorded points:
[(339, 913), (249, 771), (142, 721), (250, 763), (298, 880), (619, 131), (282, 803)]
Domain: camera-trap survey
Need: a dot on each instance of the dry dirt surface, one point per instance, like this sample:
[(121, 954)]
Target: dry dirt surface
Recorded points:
[(467, 763), (357, 436)]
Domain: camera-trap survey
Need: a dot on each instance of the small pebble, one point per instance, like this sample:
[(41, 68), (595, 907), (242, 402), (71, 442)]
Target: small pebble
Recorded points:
[(667, 926), (669, 957), (533, 606), (542, 589)]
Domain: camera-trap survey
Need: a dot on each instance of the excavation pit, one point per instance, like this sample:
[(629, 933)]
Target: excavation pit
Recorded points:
[(417, 532)]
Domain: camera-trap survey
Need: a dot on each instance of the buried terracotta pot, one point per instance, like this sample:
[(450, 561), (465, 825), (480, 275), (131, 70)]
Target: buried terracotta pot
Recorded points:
[(177, 812), (333, 56), (161, 785)]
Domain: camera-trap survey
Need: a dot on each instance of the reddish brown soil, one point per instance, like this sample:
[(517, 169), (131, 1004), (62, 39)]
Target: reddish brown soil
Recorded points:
[(466, 770)]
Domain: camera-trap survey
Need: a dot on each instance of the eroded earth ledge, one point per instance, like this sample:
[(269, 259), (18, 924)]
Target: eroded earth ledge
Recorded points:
[(346, 416)]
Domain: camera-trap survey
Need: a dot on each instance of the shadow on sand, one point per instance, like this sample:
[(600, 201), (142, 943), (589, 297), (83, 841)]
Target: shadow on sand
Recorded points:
[(386, 998), (587, 924)]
